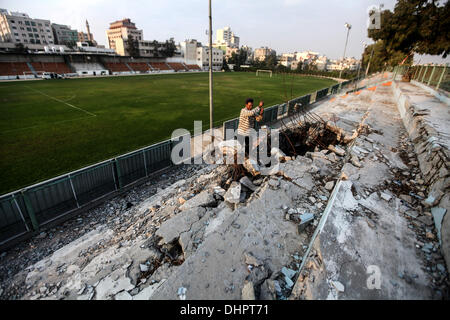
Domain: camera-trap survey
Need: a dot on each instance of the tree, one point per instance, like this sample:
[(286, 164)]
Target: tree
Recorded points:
[(383, 56), (299, 66), (225, 66), (271, 61), (169, 48), (20, 48), (419, 26), (133, 47)]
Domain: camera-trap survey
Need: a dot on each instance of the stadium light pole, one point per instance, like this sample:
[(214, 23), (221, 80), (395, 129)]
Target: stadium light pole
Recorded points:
[(211, 107), (348, 26)]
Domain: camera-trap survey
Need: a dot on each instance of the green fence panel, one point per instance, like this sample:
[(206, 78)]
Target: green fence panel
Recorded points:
[(93, 183), (52, 199), (13, 219)]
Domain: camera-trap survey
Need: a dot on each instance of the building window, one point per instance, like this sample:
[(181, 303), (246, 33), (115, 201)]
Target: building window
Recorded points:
[(33, 23), (27, 23), (12, 21), (35, 30), (40, 24), (16, 34), (17, 40)]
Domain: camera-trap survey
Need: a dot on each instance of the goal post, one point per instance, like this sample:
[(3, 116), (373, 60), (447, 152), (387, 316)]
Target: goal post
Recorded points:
[(264, 71)]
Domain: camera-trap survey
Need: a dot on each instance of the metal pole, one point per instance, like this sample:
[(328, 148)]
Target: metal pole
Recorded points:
[(348, 26), (211, 106), (431, 76), (441, 77), (370, 59)]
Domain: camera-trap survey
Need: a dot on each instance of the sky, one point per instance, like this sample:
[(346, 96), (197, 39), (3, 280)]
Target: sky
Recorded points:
[(283, 25)]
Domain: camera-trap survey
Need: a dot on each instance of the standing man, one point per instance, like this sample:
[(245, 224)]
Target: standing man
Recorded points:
[(247, 121)]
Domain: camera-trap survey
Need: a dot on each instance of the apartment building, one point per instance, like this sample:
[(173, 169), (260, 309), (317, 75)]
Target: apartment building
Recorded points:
[(17, 27), (226, 37), (203, 58), (64, 34), (119, 32), (262, 53)]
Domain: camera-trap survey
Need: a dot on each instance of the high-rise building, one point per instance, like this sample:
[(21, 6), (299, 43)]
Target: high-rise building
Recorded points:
[(17, 27), (64, 34), (87, 37), (262, 53), (226, 37), (118, 34)]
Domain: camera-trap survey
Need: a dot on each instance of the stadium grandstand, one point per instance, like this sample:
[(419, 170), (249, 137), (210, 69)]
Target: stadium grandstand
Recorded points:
[(140, 67), (193, 67), (160, 66), (26, 66), (177, 66), (55, 67)]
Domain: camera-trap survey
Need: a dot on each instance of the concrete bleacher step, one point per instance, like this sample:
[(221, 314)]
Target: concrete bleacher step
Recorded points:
[(128, 66), (31, 68), (168, 65)]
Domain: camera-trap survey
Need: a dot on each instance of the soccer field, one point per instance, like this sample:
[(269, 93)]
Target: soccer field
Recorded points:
[(48, 128)]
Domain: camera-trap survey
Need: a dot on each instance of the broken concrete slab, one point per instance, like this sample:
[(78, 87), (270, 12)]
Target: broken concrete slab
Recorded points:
[(233, 194), (171, 229), (203, 199)]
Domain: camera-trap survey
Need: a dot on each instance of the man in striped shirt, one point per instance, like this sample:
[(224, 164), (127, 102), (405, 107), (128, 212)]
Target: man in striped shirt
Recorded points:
[(247, 121)]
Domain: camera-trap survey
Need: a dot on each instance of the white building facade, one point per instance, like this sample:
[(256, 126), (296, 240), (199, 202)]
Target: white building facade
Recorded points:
[(17, 27)]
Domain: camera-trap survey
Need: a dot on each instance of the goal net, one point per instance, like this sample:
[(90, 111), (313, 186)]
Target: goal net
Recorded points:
[(259, 72)]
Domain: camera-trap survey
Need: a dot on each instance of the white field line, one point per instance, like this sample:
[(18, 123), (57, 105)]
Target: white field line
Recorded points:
[(68, 104)]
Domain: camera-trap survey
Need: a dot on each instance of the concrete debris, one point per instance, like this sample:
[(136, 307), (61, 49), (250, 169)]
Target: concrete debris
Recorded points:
[(245, 181), (354, 160), (288, 272), (337, 150), (305, 220), (268, 291), (182, 293), (329, 185), (143, 267), (219, 190), (233, 195), (203, 199), (275, 152), (438, 216), (252, 167), (338, 286), (250, 259), (385, 196), (248, 292)]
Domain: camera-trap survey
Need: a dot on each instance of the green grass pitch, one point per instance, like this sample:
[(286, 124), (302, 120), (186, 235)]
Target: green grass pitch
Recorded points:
[(48, 128)]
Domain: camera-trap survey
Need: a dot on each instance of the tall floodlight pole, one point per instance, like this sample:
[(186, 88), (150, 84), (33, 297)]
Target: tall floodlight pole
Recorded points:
[(348, 26), (211, 108)]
